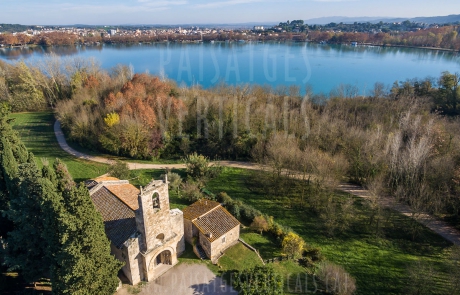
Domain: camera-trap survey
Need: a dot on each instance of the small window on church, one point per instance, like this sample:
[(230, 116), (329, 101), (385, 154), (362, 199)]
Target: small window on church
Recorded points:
[(156, 201), (161, 237), (223, 240)]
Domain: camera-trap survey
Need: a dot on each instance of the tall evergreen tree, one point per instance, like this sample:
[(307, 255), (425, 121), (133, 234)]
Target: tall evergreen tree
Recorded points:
[(35, 215), (84, 264), (12, 152)]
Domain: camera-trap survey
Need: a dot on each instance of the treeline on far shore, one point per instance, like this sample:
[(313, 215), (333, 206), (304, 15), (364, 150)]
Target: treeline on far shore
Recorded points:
[(401, 140), (445, 37)]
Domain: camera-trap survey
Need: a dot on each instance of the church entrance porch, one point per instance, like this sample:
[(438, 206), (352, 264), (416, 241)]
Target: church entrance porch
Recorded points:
[(164, 258)]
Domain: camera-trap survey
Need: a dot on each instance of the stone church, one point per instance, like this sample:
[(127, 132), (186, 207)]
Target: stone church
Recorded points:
[(144, 232)]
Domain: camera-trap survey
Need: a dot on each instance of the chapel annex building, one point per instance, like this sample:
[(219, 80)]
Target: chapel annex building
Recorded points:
[(210, 228), (144, 232)]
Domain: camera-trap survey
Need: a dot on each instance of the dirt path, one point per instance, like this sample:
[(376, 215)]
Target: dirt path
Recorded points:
[(441, 228)]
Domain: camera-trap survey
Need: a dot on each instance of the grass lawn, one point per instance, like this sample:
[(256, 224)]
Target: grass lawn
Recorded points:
[(239, 257), (263, 243), (37, 133), (378, 264)]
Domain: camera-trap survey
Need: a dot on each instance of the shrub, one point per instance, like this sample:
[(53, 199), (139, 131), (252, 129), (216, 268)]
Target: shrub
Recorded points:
[(259, 224), (119, 170), (293, 245), (191, 191), (224, 198), (336, 279), (249, 212), (197, 166), (112, 119), (260, 280)]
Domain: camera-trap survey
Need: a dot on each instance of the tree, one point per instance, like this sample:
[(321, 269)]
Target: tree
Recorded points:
[(197, 166), (421, 278), (64, 180), (174, 180), (191, 191), (259, 224), (293, 245), (448, 95), (12, 152), (84, 263), (336, 279), (260, 280), (119, 170), (26, 92), (35, 214)]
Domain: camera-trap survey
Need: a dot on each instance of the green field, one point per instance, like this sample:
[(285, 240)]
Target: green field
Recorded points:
[(378, 264), (37, 133)]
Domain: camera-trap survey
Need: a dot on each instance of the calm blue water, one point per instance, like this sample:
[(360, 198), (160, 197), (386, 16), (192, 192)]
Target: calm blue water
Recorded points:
[(324, 67)]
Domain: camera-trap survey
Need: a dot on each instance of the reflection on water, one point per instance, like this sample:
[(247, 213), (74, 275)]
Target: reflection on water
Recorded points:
[(29, 51), (25, 52), (322, 66)]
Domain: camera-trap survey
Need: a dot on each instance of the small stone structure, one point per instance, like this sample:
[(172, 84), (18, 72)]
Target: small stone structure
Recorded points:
[(144, 232), (212, 227)]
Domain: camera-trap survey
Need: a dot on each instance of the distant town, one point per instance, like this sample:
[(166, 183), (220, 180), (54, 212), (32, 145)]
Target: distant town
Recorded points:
[(405, 33)]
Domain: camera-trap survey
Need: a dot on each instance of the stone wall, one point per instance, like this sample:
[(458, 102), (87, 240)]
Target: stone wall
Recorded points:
[(188, 231), (177, 226), (223, 243), (132, 269), (205, 244)]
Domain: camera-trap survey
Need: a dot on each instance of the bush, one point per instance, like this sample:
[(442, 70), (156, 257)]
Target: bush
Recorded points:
[(191, 191), (293, 245), (224, 198), (119, 170), (197, 166), (260, 280), (259, 224), (336, 279), (249, 212)]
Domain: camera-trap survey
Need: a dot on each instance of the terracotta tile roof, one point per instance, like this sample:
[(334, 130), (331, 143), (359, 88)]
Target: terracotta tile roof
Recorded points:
[(127, 193), (199, 208), (119, 219), (105, 178), (217, 222)]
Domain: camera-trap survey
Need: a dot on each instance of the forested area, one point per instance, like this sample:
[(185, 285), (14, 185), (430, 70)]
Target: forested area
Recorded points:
[(441, 37), (49, 227), (401, 140)]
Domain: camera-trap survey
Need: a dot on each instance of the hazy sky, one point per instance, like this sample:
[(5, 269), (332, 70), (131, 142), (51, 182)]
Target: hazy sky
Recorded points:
[(206, 11)]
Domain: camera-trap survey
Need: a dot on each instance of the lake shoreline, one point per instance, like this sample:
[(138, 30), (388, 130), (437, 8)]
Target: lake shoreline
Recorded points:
[(234, 41)]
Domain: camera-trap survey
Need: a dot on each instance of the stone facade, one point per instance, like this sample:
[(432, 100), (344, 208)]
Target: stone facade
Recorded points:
[(212, 227), (149, 239)]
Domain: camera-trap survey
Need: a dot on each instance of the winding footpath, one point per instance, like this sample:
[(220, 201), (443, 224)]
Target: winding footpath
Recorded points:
[(440, 227)]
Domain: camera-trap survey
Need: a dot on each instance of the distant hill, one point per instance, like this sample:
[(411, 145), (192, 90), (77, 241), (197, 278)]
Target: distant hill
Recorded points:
[(341, 19), (349, 20), (14, 28)]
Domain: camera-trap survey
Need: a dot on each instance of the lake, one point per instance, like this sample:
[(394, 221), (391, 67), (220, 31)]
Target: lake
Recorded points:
[(323, 67)]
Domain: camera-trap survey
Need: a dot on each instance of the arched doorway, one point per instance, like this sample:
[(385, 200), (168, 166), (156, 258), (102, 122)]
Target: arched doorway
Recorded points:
[(163, 258)]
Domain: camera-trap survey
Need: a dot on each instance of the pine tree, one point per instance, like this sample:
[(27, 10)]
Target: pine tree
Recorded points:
[(64, 180), (35, 215), (84, 264), (12, 152)]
